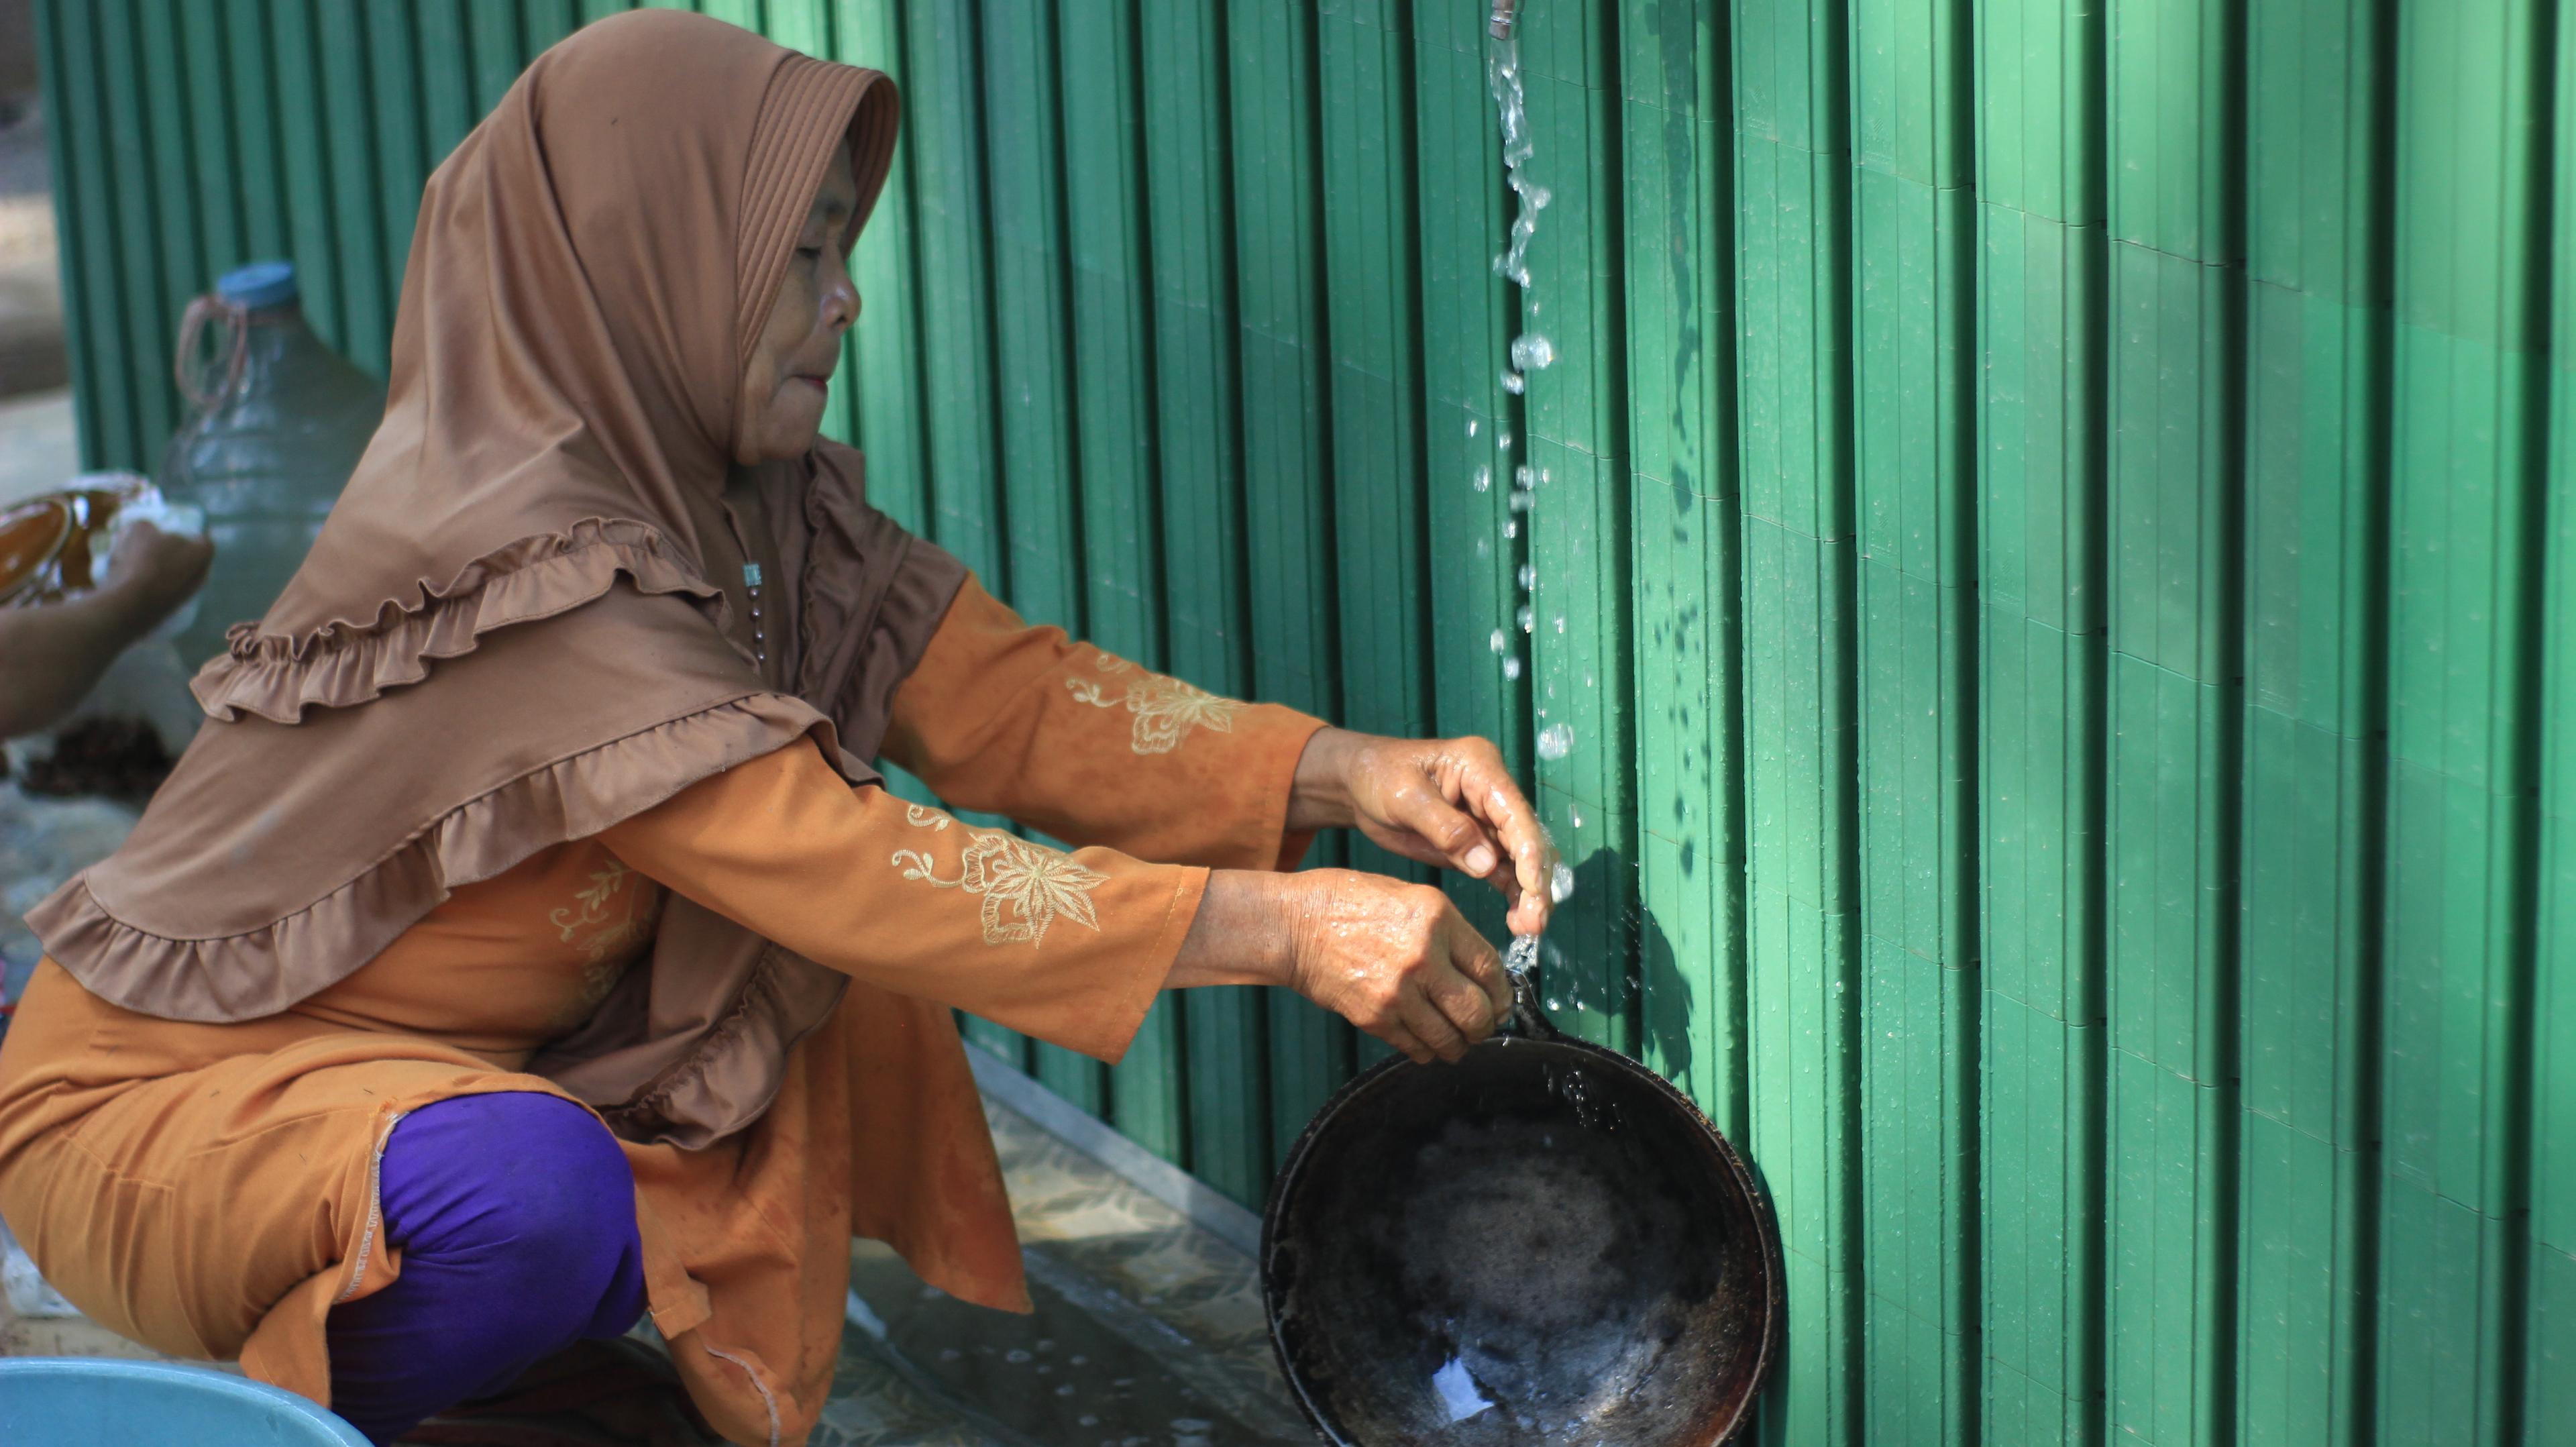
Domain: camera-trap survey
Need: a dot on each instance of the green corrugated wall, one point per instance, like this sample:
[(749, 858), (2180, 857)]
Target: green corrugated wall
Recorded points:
[(2061, 517)]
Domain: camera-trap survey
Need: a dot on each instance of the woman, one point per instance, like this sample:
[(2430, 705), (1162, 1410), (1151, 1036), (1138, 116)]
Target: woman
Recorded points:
[(529, 945)]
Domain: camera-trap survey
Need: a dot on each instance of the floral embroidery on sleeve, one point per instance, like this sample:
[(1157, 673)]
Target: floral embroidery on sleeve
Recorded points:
[(607, 936), (1166, 709), (1025, 886)]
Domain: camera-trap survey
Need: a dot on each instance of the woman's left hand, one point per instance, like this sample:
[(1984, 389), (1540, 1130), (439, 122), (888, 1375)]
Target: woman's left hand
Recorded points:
[(1449, 802)]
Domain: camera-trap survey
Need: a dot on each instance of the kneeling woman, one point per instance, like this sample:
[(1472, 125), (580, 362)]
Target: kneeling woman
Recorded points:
[(529, 945)]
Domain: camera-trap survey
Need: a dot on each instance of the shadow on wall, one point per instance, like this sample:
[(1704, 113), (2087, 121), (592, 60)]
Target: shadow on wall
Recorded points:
[(1603, 980)]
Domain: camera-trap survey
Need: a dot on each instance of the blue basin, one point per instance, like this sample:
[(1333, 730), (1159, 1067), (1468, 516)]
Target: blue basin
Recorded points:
[(61, 1401)]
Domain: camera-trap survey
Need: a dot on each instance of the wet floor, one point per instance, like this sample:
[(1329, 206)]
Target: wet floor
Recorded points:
[(1086, 1368), (1148, 1330)]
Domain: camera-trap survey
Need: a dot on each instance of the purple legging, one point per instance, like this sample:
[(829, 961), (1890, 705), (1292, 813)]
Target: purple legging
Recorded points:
[(515, 1213)]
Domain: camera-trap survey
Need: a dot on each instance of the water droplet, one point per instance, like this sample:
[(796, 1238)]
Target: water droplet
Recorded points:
[(1512, 528), (1471, 426), (1512, 669), (1577, 815), (1015, 1356), (1555, 741), (1529, 577), (1560, 885), (1523, 478), (1498, 642), (1503, 438), (1521, 499), (1528, 620), (1484, 479), (1514, 382), (1554, 1004), (1560, 623), (1484, 548), (1533, 353)]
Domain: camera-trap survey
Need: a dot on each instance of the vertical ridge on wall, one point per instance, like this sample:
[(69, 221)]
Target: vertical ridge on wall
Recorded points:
[(215, 181), (1187, 143), (1793, 176), (147, 310), (1371, 294), (2176, 286), (2042, 432), (1282, 353), (1686, 526), (2549, 1350), (2464, 742), (1913, 230), (2315, 756)]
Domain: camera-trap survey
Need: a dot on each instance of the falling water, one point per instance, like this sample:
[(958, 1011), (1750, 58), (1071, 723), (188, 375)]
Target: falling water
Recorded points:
[(1529, 354), (1505, 79)]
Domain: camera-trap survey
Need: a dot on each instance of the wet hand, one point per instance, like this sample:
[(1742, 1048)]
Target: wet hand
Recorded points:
[(1393, 958), (1448, 802)]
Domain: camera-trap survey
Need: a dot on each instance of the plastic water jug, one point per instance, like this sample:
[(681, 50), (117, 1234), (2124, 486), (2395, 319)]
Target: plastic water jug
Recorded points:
[(277, 423)]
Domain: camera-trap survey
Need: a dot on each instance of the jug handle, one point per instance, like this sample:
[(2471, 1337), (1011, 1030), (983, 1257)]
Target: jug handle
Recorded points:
[(203, 311)]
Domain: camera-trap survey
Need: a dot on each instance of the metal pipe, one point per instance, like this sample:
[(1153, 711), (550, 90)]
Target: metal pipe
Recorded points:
[(1500, 26)]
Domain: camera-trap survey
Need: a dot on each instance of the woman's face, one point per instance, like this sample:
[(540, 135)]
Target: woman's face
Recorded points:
[(789, 372)]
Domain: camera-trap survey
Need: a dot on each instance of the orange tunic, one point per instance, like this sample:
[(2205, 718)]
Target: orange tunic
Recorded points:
[(208, 1189)]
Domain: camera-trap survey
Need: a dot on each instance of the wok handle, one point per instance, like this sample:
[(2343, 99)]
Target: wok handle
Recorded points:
[(1527, 1021)]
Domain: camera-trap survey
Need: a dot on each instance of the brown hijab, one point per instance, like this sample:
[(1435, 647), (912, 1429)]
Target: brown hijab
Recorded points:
[(527, 618)]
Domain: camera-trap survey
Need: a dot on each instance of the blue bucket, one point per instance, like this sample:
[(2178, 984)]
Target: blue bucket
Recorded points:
[(58, 1401)]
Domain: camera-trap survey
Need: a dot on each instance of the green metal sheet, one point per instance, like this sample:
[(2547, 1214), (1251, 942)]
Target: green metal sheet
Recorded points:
[(1279, 355), (1685, 526), (2315, 760), (1914, 250), (2466, 517)]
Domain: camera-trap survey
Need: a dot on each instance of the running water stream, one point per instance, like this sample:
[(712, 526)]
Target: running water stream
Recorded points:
[(1529, 354)]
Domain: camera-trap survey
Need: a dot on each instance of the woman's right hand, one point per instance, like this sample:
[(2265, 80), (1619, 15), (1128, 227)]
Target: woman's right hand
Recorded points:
[(1393, 958)]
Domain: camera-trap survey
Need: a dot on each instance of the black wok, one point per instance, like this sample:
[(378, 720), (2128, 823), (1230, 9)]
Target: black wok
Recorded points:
[(1542, 1243)]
